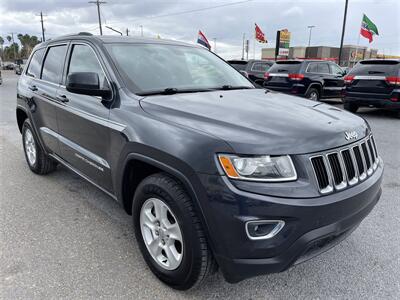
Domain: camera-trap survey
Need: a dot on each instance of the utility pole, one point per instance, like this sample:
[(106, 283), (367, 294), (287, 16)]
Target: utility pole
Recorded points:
[(309, 36), (243, 41), (41, 21), (343, 30), (97, 2), (127, 32)]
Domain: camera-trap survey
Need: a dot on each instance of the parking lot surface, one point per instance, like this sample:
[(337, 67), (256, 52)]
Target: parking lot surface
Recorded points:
[(60, 237)]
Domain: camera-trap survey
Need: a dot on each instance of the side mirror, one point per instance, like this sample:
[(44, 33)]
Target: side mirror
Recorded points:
[(86, 83), (244, 73)]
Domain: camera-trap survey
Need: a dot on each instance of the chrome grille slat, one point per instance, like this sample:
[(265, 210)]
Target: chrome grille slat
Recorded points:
[(338, 169)]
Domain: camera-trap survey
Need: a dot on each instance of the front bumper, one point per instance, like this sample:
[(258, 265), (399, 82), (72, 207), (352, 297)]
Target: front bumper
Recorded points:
[(312, 226)]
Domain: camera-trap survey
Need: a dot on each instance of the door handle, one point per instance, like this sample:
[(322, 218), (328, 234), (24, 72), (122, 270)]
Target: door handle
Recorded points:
[(62, 98), (33, 88)]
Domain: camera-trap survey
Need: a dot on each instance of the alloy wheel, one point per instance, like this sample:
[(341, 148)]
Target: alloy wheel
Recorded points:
[(161, 233), (30, 147)]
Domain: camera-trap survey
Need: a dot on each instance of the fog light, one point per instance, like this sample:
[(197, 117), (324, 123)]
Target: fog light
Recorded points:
[(263, 229)]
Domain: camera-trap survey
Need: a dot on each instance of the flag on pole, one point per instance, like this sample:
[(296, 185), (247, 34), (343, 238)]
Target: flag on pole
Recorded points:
[(202, 40), (368, 28), (260, 36)]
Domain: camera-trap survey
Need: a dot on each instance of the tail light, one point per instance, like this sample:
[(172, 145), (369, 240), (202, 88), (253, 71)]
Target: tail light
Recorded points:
[(266, 75), (348, 79), (296, 76), (393, 80)]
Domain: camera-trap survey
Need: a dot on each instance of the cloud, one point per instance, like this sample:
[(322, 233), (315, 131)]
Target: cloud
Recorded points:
[(226, 24), (293, 12)]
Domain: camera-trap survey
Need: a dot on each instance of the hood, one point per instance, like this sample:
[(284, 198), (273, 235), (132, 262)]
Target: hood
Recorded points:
[(256, 122)]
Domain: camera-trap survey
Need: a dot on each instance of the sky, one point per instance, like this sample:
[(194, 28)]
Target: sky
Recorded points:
[(223, 20)]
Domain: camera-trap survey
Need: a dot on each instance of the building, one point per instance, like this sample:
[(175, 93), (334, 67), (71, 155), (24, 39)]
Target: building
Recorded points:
[(350, 53)]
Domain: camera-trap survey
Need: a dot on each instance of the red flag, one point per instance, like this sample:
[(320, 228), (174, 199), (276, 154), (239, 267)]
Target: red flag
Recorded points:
[(260, 36)]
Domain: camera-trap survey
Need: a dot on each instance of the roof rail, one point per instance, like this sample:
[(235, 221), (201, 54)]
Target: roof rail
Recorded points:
[(85, 33)]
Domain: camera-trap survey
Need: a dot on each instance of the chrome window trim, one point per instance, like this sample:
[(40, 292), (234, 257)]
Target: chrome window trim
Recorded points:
[(367, 77)]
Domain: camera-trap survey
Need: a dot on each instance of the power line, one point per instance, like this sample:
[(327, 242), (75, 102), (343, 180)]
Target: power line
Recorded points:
[(97, 2), (189, 11)]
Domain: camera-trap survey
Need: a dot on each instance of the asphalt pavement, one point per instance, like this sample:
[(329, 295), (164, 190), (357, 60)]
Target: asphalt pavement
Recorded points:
[(60, 237)]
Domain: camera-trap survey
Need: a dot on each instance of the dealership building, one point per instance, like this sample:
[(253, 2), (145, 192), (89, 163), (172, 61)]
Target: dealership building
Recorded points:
[(350, 53)]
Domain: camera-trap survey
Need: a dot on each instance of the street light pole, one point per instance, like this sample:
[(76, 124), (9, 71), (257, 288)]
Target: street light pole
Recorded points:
[(97, 2), (114, 30), (41, 21), (309, 36), (343, 30)]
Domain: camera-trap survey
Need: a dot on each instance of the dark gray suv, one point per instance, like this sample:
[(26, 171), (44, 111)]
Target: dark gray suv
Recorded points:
[(216, 173)]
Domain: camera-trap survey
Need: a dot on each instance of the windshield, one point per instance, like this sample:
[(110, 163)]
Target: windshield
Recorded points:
[(148, 68)]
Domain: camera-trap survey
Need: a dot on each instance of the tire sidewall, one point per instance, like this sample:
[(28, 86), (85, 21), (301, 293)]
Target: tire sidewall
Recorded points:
[(183, 275), (310, 92)]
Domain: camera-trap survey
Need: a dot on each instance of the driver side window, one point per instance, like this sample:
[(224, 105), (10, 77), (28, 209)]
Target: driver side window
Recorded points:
[(83, 59)]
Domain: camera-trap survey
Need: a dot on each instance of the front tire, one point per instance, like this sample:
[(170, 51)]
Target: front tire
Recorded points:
[(37, 160), (165, 220)]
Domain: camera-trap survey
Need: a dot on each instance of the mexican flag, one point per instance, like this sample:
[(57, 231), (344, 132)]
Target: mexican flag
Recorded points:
[(368, 28)]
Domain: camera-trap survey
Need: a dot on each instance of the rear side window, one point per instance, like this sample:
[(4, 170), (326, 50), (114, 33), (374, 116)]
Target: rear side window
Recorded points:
[(285, 67), (260, 67), (377, 68), (312, 68), (323, 68), (53, 64), (35, 64), (239, 67)]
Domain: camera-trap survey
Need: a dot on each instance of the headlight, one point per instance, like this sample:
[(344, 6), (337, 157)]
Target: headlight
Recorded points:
[(258, 168)]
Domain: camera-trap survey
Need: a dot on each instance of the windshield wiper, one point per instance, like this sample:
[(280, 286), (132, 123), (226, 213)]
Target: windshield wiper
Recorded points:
[(171, 91), (228, 87)]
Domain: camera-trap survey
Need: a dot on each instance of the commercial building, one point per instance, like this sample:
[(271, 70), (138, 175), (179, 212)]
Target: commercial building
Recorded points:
[(350, 53)]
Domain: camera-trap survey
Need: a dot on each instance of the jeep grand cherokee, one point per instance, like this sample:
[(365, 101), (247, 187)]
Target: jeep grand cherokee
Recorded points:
[(216, 173)]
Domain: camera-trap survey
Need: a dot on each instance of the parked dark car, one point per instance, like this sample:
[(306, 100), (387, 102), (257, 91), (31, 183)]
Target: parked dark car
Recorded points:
[(373, 83), (1, 79), (216, 173), (313, 79), (254, 69)]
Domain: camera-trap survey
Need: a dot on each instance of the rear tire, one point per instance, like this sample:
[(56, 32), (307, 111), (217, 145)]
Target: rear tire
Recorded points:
[(196, 261), (313, 94), (350, 107), (37, 160)]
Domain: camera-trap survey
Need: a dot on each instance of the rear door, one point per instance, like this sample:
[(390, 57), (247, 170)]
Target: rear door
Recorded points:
[(278, 75), (83, 120), (42, 81), (371, 79)]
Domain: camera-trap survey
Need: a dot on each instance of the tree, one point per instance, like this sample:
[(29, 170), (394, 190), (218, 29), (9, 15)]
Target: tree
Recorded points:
[(28, 43), (1, 46)]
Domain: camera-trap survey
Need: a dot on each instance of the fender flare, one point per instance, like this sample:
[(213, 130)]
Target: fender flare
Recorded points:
[(194, 193), (314, 84)]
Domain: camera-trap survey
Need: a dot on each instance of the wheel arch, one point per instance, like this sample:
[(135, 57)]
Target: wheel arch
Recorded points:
[(315, 85), (21, 115)]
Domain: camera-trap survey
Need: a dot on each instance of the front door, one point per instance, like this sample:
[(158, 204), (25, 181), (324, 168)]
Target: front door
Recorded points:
[(83, 121)]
